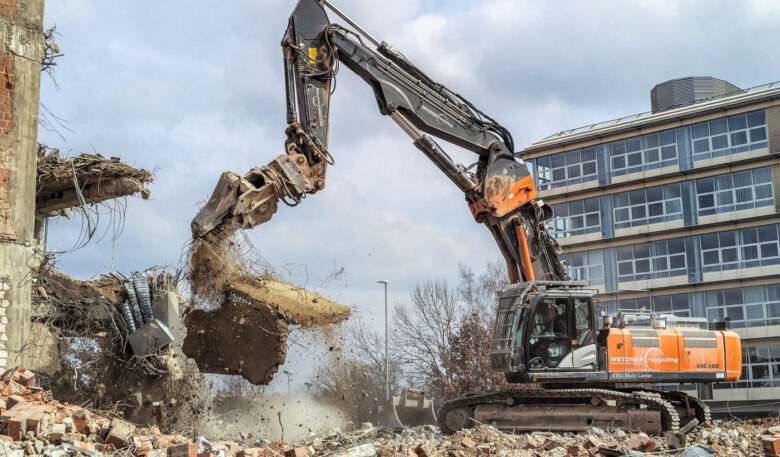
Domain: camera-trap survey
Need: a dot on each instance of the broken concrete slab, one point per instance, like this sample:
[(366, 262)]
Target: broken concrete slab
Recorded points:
[(67, 182), (252, 312), (236, 339)]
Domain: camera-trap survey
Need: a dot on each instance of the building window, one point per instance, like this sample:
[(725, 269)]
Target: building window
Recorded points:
[(678, 304), (657, 259), (646, 152), (743, 248), (576, 218), (760, 368), (743, 306), (647, 206), (772, 300), (586, 266), (735, 191), (567, 168), (729, 135)]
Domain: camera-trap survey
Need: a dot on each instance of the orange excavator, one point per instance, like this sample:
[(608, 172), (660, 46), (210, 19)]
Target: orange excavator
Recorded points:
[(573, 367)]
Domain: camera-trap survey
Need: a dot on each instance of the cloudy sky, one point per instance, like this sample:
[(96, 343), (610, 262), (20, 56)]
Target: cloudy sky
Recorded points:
[(192, 88)]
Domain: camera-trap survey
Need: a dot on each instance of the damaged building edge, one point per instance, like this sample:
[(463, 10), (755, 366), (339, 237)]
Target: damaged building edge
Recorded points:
[(68, 182)]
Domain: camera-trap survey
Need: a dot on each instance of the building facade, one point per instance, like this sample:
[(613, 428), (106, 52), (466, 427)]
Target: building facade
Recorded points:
[(678, 211)]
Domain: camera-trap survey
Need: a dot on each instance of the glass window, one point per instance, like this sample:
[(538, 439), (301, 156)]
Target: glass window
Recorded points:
[(576, 218), (586, 266), (642, 152), (567, 168), (735, 191), (743, 248), (647, 206), (732, 135), (657, 259)]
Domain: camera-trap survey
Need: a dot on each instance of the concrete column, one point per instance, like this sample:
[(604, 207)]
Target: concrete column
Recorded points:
[(21, 33)]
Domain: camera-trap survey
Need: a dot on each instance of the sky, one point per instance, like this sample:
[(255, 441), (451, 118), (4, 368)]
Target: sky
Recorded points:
[(192, 88)]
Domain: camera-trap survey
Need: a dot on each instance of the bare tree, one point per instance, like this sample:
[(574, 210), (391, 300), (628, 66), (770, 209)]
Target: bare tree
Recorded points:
[(436, 313), (467, 362), (422, 330), (369, 347), (479, 294)]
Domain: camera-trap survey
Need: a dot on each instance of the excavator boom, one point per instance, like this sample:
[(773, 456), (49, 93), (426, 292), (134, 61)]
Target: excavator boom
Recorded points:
[(500, 191), (547, 328)]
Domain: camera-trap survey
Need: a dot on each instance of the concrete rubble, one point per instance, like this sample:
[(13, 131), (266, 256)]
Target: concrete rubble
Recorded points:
[(67, 182), (33, 423), (251, 311)]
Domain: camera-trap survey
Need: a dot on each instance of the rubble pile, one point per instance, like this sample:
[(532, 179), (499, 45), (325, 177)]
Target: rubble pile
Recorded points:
[(33, 423), (724, 439)]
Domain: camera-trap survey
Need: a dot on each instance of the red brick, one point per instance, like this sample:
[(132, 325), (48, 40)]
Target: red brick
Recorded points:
[(183, 450), (84, 445), (14, 400), (17, 426), (121, 433), (593, 442), (770, 445), (26, 378), (640, 442), (142, 444), (80, 421), (468, 442)]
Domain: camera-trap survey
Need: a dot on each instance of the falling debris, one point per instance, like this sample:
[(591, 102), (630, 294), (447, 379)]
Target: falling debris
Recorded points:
[(252, 312), (67, 182), (237, 339)]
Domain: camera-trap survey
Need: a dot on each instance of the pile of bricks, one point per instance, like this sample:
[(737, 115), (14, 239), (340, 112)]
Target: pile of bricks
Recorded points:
[(33, 423)]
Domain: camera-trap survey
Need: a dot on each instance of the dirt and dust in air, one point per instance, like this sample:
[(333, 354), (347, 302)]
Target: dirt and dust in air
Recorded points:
[(242, 329)]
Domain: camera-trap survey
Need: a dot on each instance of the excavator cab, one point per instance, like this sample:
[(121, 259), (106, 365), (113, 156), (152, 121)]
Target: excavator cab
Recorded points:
[(560, 333), (545, 326)]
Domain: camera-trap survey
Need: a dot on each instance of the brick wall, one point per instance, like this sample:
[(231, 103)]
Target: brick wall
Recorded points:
[(8, 7), (7, 82)]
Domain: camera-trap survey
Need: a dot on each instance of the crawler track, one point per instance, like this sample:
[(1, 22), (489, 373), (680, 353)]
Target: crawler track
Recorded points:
[(570, 410)]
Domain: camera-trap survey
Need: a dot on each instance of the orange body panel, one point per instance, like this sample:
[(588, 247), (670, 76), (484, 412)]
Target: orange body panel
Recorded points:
[(713, 355), (518, 194), (502, 196)]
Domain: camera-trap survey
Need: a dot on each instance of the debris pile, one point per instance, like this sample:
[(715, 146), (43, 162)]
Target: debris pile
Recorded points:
[(253, 312), (35, 424), (67, 182)]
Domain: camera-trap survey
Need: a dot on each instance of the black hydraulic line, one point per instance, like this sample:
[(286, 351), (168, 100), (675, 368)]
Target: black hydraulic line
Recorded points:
[(141, 285), (127, 315), (135, 308)]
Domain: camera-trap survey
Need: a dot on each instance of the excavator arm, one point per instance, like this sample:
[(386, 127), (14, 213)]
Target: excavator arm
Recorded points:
[(500, 191)]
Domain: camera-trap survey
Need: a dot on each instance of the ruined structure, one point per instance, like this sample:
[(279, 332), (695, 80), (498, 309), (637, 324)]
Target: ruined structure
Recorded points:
[(20, 69)]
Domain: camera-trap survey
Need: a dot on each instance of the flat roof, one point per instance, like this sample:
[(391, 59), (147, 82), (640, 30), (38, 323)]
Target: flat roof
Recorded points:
[(748, 96)]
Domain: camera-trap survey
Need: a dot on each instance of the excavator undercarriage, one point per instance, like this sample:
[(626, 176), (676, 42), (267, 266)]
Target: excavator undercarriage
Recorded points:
[(574, 410)]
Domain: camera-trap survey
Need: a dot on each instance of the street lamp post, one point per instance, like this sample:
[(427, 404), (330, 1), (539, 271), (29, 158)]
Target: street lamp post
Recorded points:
[(289, 375), (387, 360)]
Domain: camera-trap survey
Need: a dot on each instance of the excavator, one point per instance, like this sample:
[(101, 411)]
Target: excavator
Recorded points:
[(570, 367)]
